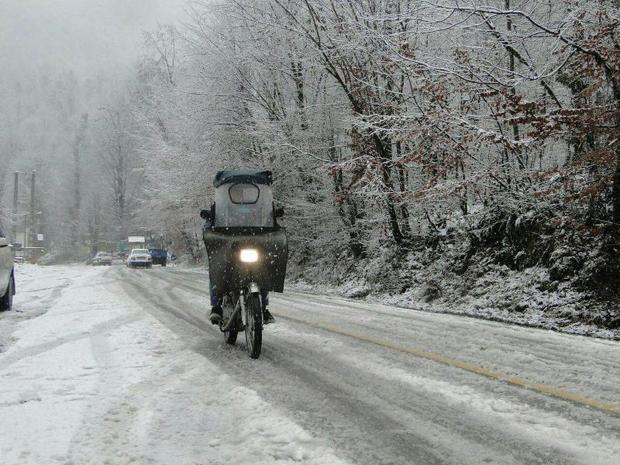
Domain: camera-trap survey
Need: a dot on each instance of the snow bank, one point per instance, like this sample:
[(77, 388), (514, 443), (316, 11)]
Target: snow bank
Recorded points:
[(529, 297)]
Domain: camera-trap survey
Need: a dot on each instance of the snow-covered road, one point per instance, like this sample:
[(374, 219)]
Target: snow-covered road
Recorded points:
[(118, 366)]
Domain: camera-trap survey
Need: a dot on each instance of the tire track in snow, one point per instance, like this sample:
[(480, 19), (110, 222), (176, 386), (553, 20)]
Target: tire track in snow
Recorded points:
[(523, 377), (381, 437), (32, 351)]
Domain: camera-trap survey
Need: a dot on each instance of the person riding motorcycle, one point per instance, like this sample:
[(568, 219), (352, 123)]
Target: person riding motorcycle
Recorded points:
[(247, 251), (216, 299)]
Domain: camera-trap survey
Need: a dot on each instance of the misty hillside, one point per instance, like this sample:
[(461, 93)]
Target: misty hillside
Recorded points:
[(448, 156)]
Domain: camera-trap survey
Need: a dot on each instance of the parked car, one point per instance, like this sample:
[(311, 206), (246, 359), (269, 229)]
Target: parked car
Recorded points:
[(7, 274), (159, 256), (102, 258), (139, 257)]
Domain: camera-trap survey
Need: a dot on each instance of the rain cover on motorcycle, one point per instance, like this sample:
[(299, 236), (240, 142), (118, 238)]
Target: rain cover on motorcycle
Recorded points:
[(244, 219)]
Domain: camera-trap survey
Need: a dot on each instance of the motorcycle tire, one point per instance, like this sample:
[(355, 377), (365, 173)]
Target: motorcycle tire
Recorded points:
[(254, 325)]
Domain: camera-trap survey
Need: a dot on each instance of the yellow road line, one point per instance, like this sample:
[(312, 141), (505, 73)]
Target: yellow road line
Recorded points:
[(467, 366)]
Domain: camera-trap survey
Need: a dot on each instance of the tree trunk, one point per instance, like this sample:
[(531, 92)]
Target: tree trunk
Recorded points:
[(616, 190), (77, 173), (384, 151), (298, 79), (615, 193), (402, 184), (349, 218)]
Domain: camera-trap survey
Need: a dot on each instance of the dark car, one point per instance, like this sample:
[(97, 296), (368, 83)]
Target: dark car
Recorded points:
[(159, 256)]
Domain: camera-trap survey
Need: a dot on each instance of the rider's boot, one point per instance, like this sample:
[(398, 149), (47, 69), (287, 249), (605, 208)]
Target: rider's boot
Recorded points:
[(267, 317), (216, 315)]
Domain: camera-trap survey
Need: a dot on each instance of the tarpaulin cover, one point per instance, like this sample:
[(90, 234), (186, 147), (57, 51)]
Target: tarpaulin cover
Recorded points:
[(227, 273), (251, 176)]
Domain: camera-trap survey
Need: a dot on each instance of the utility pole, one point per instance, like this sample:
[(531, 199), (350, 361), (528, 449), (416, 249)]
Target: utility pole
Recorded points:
[(32, 232), (15, 197)]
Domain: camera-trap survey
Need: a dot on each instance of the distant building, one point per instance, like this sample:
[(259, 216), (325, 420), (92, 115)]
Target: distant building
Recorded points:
[(136, 242)]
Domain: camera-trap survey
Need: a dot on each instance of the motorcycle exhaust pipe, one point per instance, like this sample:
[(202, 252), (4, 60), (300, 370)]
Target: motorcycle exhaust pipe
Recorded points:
[(233, 316)]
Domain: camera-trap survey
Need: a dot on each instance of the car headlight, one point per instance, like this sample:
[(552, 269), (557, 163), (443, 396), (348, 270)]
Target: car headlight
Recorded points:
[(248, 255)]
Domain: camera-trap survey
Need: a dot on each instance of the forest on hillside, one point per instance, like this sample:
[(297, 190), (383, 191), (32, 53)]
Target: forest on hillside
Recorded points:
[(434, 151)]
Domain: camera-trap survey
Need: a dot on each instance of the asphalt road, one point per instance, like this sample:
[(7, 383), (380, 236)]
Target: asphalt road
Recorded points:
[(384, 385)]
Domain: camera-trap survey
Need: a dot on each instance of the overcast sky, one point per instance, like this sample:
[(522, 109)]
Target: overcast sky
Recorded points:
[(81, 34)]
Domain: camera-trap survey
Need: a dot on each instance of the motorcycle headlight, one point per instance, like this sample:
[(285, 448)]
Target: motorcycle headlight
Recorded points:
[(248, 255)]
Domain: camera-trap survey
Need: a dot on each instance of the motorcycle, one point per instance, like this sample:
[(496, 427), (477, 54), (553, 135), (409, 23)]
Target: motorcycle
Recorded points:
[(247, 251)]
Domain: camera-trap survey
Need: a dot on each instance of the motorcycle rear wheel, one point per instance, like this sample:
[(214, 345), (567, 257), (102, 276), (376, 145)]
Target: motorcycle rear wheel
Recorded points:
[(254, 325)]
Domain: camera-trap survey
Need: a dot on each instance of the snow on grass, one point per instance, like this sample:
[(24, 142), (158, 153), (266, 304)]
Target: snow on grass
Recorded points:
[(92, 378), (500, 294)]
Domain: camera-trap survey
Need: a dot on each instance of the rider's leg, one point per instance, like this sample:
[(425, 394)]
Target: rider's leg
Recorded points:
[(216, 308), (215, 301), (267, 316)]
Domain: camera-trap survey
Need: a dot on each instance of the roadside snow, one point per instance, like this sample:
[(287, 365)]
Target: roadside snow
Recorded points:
[(89, 377), (37, 289), (507, 296)]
